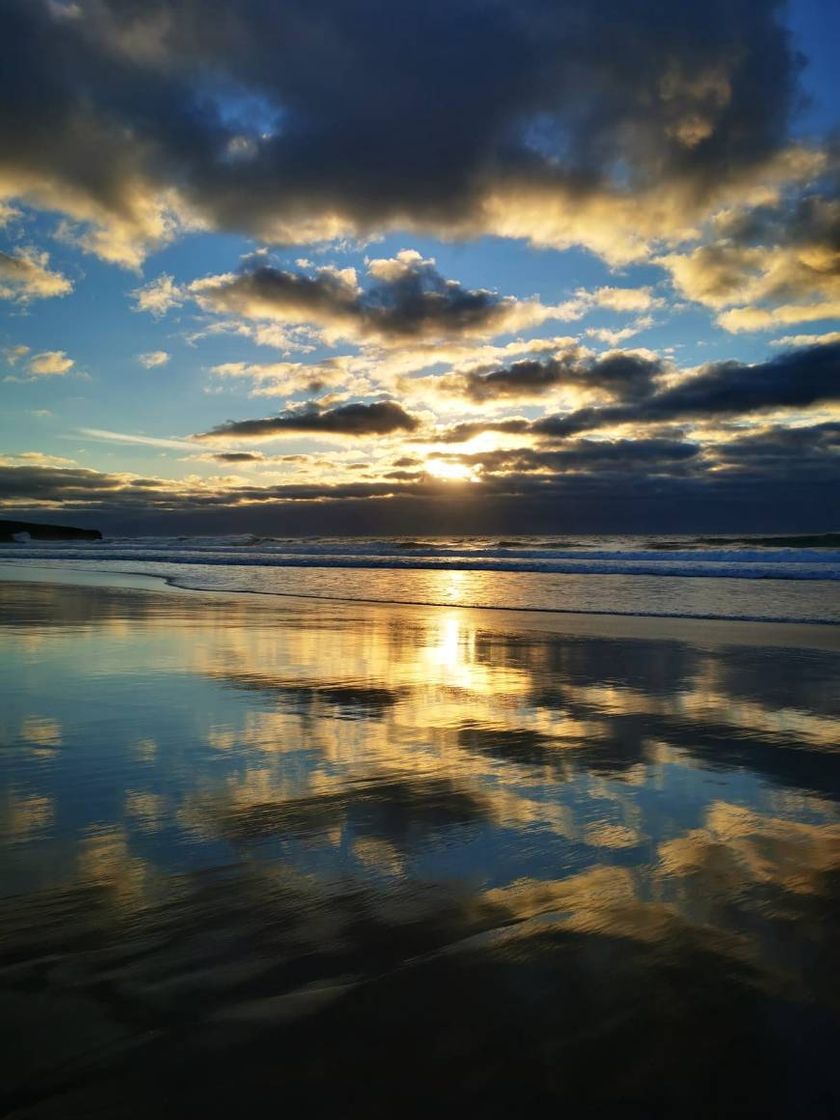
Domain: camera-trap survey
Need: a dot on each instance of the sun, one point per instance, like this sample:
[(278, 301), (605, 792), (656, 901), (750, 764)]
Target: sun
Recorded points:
[(451, 471)]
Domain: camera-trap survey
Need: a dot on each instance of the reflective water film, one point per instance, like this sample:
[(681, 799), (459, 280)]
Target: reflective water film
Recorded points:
[(346, 860)]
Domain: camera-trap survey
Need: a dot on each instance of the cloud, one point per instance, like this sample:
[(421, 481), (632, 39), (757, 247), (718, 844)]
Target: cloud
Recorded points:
[(50, 363), (389, 369), (377, 419), (406, 318), (652, 392), (774, 265), (8, 214), (107, 436), (751, 482), (615, 336), (239, 457), (642, 132), (153, 359), (599, 455), (469, 429), (520, 380), (37, 483), (36, 458), (13, 354), (287, 340), (784, 448), (793, 380), (158, 296), (762, 319), (293, 125), (25, 275), (807, 339), (286, 378), (620, 374), (624, 299), (407, 299), (71, 487)]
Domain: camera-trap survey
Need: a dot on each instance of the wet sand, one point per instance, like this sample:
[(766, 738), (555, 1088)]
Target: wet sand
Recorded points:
[(354, 860)]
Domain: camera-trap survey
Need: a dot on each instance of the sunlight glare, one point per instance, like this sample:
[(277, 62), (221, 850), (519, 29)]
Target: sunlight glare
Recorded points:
[(452, 471)]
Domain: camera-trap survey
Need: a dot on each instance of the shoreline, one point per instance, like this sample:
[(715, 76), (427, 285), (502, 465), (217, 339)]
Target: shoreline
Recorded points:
[(712, 630)]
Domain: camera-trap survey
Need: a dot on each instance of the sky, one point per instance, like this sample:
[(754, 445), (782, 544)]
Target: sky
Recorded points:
[(463, 266)]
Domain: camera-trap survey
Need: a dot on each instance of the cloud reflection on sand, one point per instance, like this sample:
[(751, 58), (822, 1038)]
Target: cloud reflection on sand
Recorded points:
[(340, 792)]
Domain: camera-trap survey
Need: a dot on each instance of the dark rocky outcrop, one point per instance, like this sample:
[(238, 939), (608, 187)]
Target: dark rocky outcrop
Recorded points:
[(39, 532)]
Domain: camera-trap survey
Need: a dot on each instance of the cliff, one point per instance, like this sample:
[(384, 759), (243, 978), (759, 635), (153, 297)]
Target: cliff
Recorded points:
[(39, 532)]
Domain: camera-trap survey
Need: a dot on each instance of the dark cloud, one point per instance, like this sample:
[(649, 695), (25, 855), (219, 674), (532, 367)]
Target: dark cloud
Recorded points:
[(403, 476), (407, 299), (377, 419), (796, 379), (35, 483), (792, 380), (721, 391), (776, 479), (621, 375), (76, 487), (239, 457), (783, 448), (260, 289), (626, 375), (592, 454), (606, 124), (581, 420), (522, 379)]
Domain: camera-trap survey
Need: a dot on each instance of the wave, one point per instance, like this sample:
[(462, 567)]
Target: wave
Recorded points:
[(789, 563), (805, 540)]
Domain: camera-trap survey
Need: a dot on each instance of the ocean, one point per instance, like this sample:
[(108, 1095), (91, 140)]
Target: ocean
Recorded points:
[(773, 578)]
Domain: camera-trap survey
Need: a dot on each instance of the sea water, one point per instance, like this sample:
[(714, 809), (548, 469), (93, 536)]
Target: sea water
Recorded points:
[(775, 578)]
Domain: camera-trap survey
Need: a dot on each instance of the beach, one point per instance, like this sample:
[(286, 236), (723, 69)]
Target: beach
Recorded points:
[(419, 560), (362, 858)]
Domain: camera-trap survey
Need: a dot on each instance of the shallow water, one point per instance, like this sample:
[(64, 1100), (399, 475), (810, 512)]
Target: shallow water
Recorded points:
[(364, 860)]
